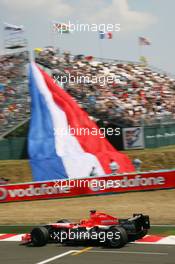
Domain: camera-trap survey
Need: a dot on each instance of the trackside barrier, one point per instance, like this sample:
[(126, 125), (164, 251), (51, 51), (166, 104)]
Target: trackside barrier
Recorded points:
[(153, 180)]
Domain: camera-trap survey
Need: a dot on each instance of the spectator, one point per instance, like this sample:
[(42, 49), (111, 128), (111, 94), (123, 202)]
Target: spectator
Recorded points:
[(114, 167), (137, 163), (93, 172)]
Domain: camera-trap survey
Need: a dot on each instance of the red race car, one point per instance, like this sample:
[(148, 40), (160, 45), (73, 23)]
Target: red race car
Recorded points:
[(100, 228)]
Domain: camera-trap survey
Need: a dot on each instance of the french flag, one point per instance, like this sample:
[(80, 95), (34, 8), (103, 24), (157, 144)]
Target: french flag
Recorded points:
[(55, 155), (105, 35)]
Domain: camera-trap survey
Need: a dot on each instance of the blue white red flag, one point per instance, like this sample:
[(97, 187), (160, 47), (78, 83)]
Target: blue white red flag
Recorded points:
[(55, 150), (105, 35)]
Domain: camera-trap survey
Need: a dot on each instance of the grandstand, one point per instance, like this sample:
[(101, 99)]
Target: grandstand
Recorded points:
[(14, 95), (137, 94)]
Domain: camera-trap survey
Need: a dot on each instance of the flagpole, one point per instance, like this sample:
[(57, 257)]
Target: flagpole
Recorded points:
[(139, 50), (51, 27), (4, 39), (101, 49), (142, 41), (100, 46), (54, 34)]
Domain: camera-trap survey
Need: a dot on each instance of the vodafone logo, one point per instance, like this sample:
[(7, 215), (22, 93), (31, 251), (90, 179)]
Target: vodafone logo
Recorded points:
[(31, 191), (3, 193)]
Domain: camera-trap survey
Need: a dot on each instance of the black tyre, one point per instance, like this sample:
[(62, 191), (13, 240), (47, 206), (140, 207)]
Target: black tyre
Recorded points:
[(63, 221), (39, 236), (119, 237)]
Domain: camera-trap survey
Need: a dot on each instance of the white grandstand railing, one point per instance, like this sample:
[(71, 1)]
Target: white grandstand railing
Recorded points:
[(155, 69), (116, 60), (110, 60), (149, 66)]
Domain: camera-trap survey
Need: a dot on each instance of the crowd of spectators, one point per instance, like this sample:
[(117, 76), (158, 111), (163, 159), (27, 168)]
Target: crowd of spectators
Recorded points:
[(130, 95), (125, 94), (13, 90)]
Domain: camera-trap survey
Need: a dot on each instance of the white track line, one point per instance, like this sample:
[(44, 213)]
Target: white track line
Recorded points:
[(57, 257), (163, 225), (128, 252)]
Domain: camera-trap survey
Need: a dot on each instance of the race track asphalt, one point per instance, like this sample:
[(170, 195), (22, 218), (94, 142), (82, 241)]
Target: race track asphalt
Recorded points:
[(13, 253)]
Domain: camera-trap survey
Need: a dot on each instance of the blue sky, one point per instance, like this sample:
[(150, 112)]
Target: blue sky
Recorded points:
[(151, 19)]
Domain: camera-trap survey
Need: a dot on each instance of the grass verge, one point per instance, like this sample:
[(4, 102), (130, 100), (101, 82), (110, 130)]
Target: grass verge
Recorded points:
[(153, 159)]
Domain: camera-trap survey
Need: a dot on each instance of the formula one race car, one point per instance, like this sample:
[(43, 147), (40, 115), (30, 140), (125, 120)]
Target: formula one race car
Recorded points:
[(99, 228)]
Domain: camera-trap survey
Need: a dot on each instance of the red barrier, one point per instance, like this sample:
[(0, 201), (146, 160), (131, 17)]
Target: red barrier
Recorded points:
[(89, 186)]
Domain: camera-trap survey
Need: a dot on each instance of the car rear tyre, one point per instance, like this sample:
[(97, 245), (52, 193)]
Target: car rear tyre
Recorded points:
[(119, 237), (39, 236)]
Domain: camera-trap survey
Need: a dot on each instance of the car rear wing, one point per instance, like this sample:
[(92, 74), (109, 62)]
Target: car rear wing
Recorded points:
[(141, 221)]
